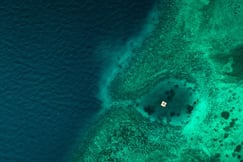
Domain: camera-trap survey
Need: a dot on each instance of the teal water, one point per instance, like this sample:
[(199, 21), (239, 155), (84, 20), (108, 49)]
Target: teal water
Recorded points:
[(50, 72)]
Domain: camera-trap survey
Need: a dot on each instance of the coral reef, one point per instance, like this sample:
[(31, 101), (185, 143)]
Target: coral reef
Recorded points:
[(193, 61)]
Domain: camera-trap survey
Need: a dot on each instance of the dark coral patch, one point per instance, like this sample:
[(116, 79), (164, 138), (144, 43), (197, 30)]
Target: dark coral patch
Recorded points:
[(149, 109), (225, 115), (189, 109)]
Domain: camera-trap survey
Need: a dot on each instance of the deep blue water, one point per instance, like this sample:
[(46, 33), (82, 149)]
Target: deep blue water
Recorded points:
[(49, 72)]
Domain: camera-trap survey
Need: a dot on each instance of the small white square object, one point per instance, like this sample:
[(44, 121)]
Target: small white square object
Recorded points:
[(163, 104)]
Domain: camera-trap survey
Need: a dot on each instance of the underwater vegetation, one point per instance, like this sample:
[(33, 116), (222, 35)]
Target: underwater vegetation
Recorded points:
[(192, 61)]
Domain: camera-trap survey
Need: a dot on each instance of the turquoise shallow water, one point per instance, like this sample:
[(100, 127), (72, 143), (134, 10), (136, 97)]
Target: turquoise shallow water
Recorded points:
[(50, 72), (177, 96)]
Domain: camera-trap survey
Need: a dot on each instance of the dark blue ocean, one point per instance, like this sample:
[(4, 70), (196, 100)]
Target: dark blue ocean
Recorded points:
[(49, 72)]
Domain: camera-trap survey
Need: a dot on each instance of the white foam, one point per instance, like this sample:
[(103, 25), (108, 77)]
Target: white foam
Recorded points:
[(117, 56)]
